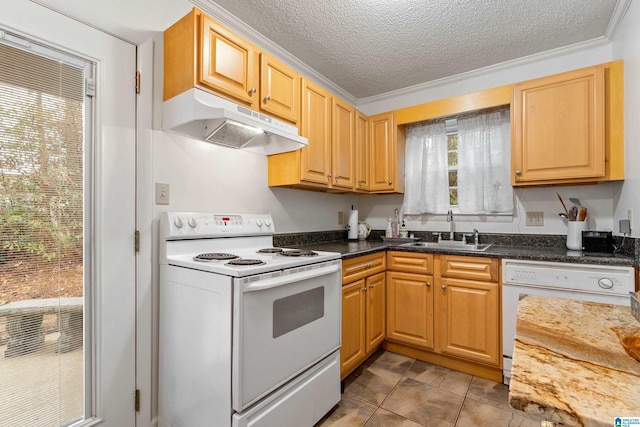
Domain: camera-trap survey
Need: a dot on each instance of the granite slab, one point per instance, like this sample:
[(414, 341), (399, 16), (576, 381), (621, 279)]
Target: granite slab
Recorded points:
[(569, 365)]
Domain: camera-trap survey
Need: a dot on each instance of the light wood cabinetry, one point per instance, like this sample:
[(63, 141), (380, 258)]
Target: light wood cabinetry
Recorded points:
[(327, 163), (363, 309), (410, 308), (444, 309), (362, 162), (386, 154), (315, 125), (343, 145), (564, 130), (468, 308), (279, 89), (198, 51)]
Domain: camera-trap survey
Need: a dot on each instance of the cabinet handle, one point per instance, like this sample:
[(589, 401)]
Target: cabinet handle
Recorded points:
[(364, 289), (360, 181), (371, 286), (443, 287), (252, 90), (428, 284), (267, 98), (329, 175), (368, 265), (390, 182), (337, 178), (518, 172)]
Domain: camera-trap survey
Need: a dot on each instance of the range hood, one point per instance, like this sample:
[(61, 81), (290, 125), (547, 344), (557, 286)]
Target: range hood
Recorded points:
[(208, 117)]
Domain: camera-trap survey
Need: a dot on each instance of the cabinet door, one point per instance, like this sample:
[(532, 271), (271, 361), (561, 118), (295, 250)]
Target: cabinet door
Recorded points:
[(343, 145), (558, 127), (315, 125), (469, 321), (362, 152), (383, 152), (410, 262), (279, 89), (227, 63), (352, 352), (375, 312), (410, 308)]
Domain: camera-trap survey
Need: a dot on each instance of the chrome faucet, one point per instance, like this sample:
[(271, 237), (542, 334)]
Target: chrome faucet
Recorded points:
[(476, 236), (450, 221)]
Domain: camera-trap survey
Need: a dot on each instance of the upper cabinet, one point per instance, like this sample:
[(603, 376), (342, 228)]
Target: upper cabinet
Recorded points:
[(315, 125), (362, 152), (279, 88), (567, 128), (386, 154), (198, 51)]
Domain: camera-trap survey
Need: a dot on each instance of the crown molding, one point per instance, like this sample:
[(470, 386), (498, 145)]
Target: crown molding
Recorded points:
[(549, 54), (617, 16), (249, 33)]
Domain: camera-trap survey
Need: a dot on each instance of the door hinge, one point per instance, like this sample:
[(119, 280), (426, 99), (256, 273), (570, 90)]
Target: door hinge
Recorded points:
[(136, 243), (137, 81), (137, 400)]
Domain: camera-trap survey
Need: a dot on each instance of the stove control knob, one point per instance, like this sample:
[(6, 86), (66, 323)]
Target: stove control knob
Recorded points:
[(192, 223), (178, 222), (259, 222), (267, 222)]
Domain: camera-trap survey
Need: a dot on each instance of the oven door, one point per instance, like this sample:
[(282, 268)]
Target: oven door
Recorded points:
[(283, 323)]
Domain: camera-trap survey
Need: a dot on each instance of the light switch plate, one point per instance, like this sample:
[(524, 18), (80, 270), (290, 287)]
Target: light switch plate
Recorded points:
[(535, 219), (162, 194)]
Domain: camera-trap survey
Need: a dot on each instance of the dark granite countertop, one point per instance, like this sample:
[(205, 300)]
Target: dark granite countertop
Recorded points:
[(535, 253)]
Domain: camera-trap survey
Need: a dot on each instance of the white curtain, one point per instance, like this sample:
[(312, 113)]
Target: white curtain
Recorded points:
[(426, 176), (484, 163)]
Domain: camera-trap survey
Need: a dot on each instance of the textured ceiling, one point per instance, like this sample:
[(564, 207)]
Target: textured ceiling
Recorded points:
[(369, 47)]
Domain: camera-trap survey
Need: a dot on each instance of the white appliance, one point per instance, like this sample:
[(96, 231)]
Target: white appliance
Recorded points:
[(249, 334), (582, 282), (208, 117)]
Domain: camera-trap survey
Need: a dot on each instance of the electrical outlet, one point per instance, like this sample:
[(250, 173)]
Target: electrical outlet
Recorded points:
[(535, 219), (162, 194), (340, 218)]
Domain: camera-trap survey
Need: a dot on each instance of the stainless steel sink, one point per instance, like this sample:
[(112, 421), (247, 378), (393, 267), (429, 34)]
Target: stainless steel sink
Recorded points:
[(449, 245)]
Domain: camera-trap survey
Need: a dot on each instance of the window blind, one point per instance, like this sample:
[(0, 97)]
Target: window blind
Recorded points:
[(41, 239)]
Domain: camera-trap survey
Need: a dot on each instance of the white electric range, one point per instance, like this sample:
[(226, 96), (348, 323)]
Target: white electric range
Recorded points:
[(249, 333)]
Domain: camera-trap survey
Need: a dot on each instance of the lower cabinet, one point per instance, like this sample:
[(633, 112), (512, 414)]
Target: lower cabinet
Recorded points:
[(444, 309), (410, 308), (363, 310)]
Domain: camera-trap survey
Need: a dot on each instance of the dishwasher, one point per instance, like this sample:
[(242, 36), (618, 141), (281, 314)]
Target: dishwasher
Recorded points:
[(583, 282)]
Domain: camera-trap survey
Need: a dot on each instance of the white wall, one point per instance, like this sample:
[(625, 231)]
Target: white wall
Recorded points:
[(209, 178), (626, 46)]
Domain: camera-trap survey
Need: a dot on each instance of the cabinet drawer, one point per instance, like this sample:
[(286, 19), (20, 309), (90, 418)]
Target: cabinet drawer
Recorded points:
[(411, 262), (358, 268), (466, 267)]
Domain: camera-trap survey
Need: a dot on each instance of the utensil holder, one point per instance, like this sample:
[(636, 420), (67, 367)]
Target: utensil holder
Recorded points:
[(574, 234)]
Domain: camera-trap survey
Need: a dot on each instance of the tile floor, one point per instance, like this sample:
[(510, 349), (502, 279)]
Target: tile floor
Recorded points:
[(393, 390)]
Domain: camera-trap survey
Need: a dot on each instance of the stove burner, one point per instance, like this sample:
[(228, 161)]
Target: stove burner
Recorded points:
[(213, 256), (243, 261), (270, 251), (298, 252)]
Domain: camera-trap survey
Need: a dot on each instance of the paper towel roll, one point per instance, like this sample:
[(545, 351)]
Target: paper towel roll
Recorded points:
[(353, 225)]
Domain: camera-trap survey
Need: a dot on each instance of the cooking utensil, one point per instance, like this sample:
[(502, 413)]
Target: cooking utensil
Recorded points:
[(582, 214), (563, 215), (575, 201), (563, 205), (573, 213)]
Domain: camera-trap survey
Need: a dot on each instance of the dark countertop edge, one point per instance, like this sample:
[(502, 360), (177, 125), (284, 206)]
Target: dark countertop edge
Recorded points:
[(550, 254)]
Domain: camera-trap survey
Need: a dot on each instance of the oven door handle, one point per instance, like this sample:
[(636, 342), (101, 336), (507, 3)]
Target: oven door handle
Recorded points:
[(274, 282)]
